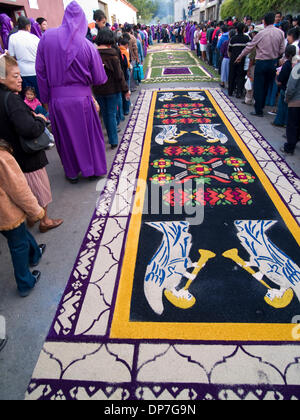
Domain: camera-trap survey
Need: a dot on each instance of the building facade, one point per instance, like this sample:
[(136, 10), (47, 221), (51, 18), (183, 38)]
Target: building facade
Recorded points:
[(117, 11), (180, 10), (52, 10), (207, 10)]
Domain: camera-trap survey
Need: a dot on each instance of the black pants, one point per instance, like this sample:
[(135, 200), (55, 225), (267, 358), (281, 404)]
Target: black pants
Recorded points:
[(236, 78), (265, 73), (292, 129)]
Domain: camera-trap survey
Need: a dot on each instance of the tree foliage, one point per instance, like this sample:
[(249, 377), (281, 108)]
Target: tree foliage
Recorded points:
[(146, 9), (258, 8)]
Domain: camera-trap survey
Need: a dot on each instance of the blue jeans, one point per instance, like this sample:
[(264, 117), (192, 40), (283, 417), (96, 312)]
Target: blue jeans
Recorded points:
[(41, 110), (126, 106), (109, 109), (272, 95), (265, 73), (24, 252), (282, 111)]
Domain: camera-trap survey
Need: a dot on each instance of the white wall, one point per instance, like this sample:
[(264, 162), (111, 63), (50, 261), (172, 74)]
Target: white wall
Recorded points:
[(88, 6), (122, 12), (179, 5)]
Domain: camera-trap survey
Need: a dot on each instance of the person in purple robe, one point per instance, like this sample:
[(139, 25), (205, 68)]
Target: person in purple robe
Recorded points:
[(67, 65), (6, 26), (188, 33), (153, 32), (35, 28), (193, 30)]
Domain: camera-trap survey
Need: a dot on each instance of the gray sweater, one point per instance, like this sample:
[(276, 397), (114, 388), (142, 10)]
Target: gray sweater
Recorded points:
[(292, 96)]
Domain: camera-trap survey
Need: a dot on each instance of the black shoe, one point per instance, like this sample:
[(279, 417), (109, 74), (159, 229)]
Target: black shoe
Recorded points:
[(277, 125), (3, 343), (42, 249), (114, 146), (93, 178), (254, 114), (37, 275), (73, 180), (291, 153)]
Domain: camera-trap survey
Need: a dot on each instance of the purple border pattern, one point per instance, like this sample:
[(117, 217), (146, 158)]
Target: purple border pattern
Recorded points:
[(80, 362)]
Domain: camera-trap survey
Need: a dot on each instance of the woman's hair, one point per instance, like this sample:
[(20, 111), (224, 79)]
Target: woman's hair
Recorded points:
[(296, 19), (6, 62), (99, 15), (285, 26), (5, 146), (240, 28), (232, 33), (290, 51), (105, 37), (123, 40), (295, 33)]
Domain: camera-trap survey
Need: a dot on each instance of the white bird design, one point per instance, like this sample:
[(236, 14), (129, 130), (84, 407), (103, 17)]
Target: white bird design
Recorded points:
[(210, 132), (169, 96), (264, 254), (169, 134), (169, 264), (196, 96)]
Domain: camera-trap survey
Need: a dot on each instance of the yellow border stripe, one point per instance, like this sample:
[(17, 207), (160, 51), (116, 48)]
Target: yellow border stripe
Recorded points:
[(122, 328)]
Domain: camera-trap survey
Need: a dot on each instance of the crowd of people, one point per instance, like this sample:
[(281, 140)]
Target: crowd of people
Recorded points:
[(257, 62), (46, 77)]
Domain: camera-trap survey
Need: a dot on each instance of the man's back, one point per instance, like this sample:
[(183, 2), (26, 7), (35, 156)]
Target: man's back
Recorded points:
[(269, 43), (23, 45)]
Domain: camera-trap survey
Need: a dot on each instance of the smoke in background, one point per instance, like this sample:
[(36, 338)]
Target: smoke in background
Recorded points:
[(164, 12)]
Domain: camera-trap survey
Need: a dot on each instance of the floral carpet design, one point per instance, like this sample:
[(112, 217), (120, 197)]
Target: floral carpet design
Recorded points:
[(176, 65), (197, 298)]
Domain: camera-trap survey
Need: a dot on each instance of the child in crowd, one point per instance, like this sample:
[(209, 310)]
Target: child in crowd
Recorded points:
[(32, 101)]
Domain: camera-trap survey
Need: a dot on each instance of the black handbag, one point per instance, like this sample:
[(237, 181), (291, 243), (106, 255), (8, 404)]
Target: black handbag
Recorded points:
[(30, 146)]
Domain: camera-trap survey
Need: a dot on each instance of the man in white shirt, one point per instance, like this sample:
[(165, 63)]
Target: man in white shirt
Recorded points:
[(23, 46)]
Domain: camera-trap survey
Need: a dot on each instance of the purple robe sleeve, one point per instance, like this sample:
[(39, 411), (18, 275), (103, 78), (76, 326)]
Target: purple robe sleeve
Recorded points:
[(98, 73), (41, 73)]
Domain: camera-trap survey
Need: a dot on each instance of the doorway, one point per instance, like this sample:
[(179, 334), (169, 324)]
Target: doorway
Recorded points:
[(14, 12)]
